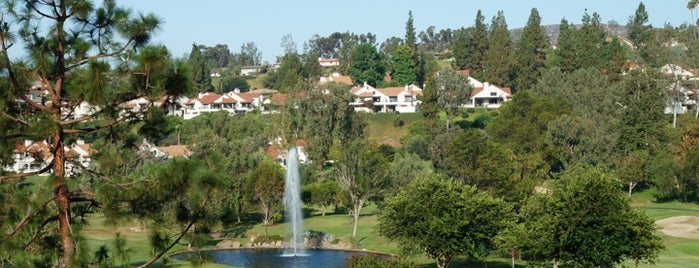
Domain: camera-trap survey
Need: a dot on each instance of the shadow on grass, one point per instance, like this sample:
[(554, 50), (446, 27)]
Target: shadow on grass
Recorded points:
[(488, 264)]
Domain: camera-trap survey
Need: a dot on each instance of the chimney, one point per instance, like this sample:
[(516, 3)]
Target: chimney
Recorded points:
[(80, 142), (27, 143), (236, 91)]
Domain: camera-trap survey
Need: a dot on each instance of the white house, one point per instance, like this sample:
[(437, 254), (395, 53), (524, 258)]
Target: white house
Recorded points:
[(233, 102), (33, 156), (484, 94), (488, 96), (330, 62), (386, 100), (250, 70)]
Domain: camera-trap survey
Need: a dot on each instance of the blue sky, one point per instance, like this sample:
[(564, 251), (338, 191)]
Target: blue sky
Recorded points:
[(264, 22)]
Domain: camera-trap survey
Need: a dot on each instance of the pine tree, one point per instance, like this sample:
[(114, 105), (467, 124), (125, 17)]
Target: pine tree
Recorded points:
[(530, 53), (470, 47), (566, 51), (590, 41), (410, 38), (201, 75), (498, 57)]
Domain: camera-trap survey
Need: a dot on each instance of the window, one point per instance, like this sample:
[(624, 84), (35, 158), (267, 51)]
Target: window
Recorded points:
[(493, 94), (393, 99)]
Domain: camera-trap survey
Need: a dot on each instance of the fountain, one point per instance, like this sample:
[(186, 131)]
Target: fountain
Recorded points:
[(292, 206), (294, 255)]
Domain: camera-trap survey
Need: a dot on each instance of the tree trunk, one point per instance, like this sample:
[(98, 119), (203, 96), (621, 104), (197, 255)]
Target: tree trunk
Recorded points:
[(631, 186), (555, 263), (62, 195), (357, 208)]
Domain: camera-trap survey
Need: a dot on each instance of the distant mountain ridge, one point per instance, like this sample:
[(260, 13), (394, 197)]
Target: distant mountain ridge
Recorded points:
[(552, 31)]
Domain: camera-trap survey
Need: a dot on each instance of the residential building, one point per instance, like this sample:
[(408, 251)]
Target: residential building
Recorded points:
[(330, 62), (487, 95), (386, 100), (251, 70), (233, 102)]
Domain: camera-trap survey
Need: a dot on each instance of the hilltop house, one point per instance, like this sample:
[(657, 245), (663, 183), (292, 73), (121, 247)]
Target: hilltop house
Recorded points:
[(484, 94), (330, 62)]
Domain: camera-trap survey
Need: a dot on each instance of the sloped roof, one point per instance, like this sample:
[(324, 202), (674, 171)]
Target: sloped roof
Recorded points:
[(209, 98), (392, 91), (175, 150)]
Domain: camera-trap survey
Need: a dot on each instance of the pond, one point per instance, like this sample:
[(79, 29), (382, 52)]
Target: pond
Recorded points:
[(315, 258)]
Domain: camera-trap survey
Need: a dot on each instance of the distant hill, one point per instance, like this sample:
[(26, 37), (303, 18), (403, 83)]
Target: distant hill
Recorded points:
[(552, 31)]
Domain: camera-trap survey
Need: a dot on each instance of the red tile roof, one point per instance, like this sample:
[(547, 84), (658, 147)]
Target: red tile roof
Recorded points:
[(209, 98)]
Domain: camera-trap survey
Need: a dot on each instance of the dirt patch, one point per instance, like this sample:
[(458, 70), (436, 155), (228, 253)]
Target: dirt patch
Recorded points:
[(681, 226)]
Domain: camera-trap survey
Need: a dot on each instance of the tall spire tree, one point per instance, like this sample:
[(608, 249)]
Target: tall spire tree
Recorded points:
[(410, 38), (530, 53), (470, 47), (498, 57)]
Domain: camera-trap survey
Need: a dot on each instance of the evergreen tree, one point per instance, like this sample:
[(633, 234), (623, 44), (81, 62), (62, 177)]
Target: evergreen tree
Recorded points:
[(530, 53), (470, 47), (70, 51), (311, 67), (410, 39), (404, 69), (590, 41), (498, 57), (565, 55), (289, 73), (641, 34), (367, 65), (201, 74)]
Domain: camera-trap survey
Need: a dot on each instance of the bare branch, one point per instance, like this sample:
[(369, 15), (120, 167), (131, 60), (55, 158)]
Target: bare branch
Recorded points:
[(38, 230)]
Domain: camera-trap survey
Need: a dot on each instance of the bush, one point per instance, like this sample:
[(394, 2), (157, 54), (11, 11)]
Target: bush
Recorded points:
[(375, 261), (470, 110)]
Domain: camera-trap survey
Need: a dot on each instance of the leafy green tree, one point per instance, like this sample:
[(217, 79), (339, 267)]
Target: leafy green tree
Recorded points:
[(470, 47), (362, 174), (642, 124), (323, 194), (249, 54), (311, 67), (474, 159), (289, 74), (530, 53), (232, 83), (445, 219), (633, 168), (267, 183), (390, 44), (497, 60), (368, 66), (570, 224), (404, 65), (448, 91), (70, 48), (201, 74), (324, 116)]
